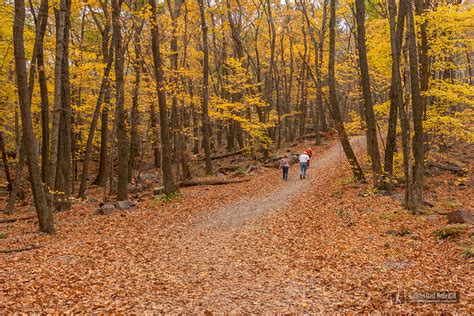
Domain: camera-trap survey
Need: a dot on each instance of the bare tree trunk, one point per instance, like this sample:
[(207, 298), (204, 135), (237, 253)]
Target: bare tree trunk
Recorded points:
[(319, 72), (95, 118), (103, 155), (122, 137), (58, 73), (417, 108), (63, 173), (372, 142), (346, 146), (45, 215), (396, 93), (155, 136), (424, 59), (205, 90), (40, 33), (166, 168), (135, 114), (104, 139), (5, 162), (16, 184)]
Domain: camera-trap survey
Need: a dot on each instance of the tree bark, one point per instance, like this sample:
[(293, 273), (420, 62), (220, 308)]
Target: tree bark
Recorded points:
[(396, 92), (135, 114), (346, 146), (372, 142), (166, 168), (63, 181), (40, 33), (5, 163), (417, 108), (60, 16), (16, 183), (95, 118), (205, 90), (45, 215), (122, 137), (103, 155)]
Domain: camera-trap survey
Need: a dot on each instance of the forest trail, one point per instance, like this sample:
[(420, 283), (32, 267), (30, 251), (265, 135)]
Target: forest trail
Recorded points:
[(296, 247), (245, 211), (221, 243)]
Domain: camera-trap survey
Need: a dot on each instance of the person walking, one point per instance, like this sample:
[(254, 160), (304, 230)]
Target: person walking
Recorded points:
[(309, 152), (285, 166), (304, 161)]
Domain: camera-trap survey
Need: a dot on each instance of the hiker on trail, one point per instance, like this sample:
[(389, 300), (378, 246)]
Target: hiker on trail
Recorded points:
[(309, 152), (304, 161), (285, 166)]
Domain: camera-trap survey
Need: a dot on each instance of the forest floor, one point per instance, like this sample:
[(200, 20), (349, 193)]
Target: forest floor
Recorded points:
[(323, 244)]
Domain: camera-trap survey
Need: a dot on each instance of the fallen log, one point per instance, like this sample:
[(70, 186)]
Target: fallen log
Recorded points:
[(454, 169), (223, 155), (30, 247), (190, 183), (11, 220)]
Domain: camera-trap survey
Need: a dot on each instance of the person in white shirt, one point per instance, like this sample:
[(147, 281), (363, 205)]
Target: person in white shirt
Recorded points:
[(304, 160)]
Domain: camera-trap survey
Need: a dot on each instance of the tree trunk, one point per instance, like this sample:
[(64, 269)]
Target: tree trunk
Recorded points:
[(346, 146), (60, 16), (424, 59), (135, 114), (372, 142), (45, 215), (205, 90), (396, 92), (102, 91), (63, 172), (155, 136), (40, 32), (5, 162), (166, 167), (16, 184), (102, 175), (104, 138), (417, 108), (122, 137)]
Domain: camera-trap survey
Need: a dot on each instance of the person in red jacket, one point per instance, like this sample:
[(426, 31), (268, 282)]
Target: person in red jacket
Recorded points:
[(309, 152)]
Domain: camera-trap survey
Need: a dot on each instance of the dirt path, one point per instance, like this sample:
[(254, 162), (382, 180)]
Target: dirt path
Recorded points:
[(242, 212), (297, 248), (219, 261), (223, 260)]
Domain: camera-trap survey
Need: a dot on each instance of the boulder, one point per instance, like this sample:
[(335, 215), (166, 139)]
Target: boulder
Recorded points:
[(148, 176), (135, 188), (106, 209), (124, 205), (460, 217), (384, 193), (433, 171), (252, 168)]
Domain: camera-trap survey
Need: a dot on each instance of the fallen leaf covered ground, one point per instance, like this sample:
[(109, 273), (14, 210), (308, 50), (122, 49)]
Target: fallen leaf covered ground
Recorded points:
[(305, 246)]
